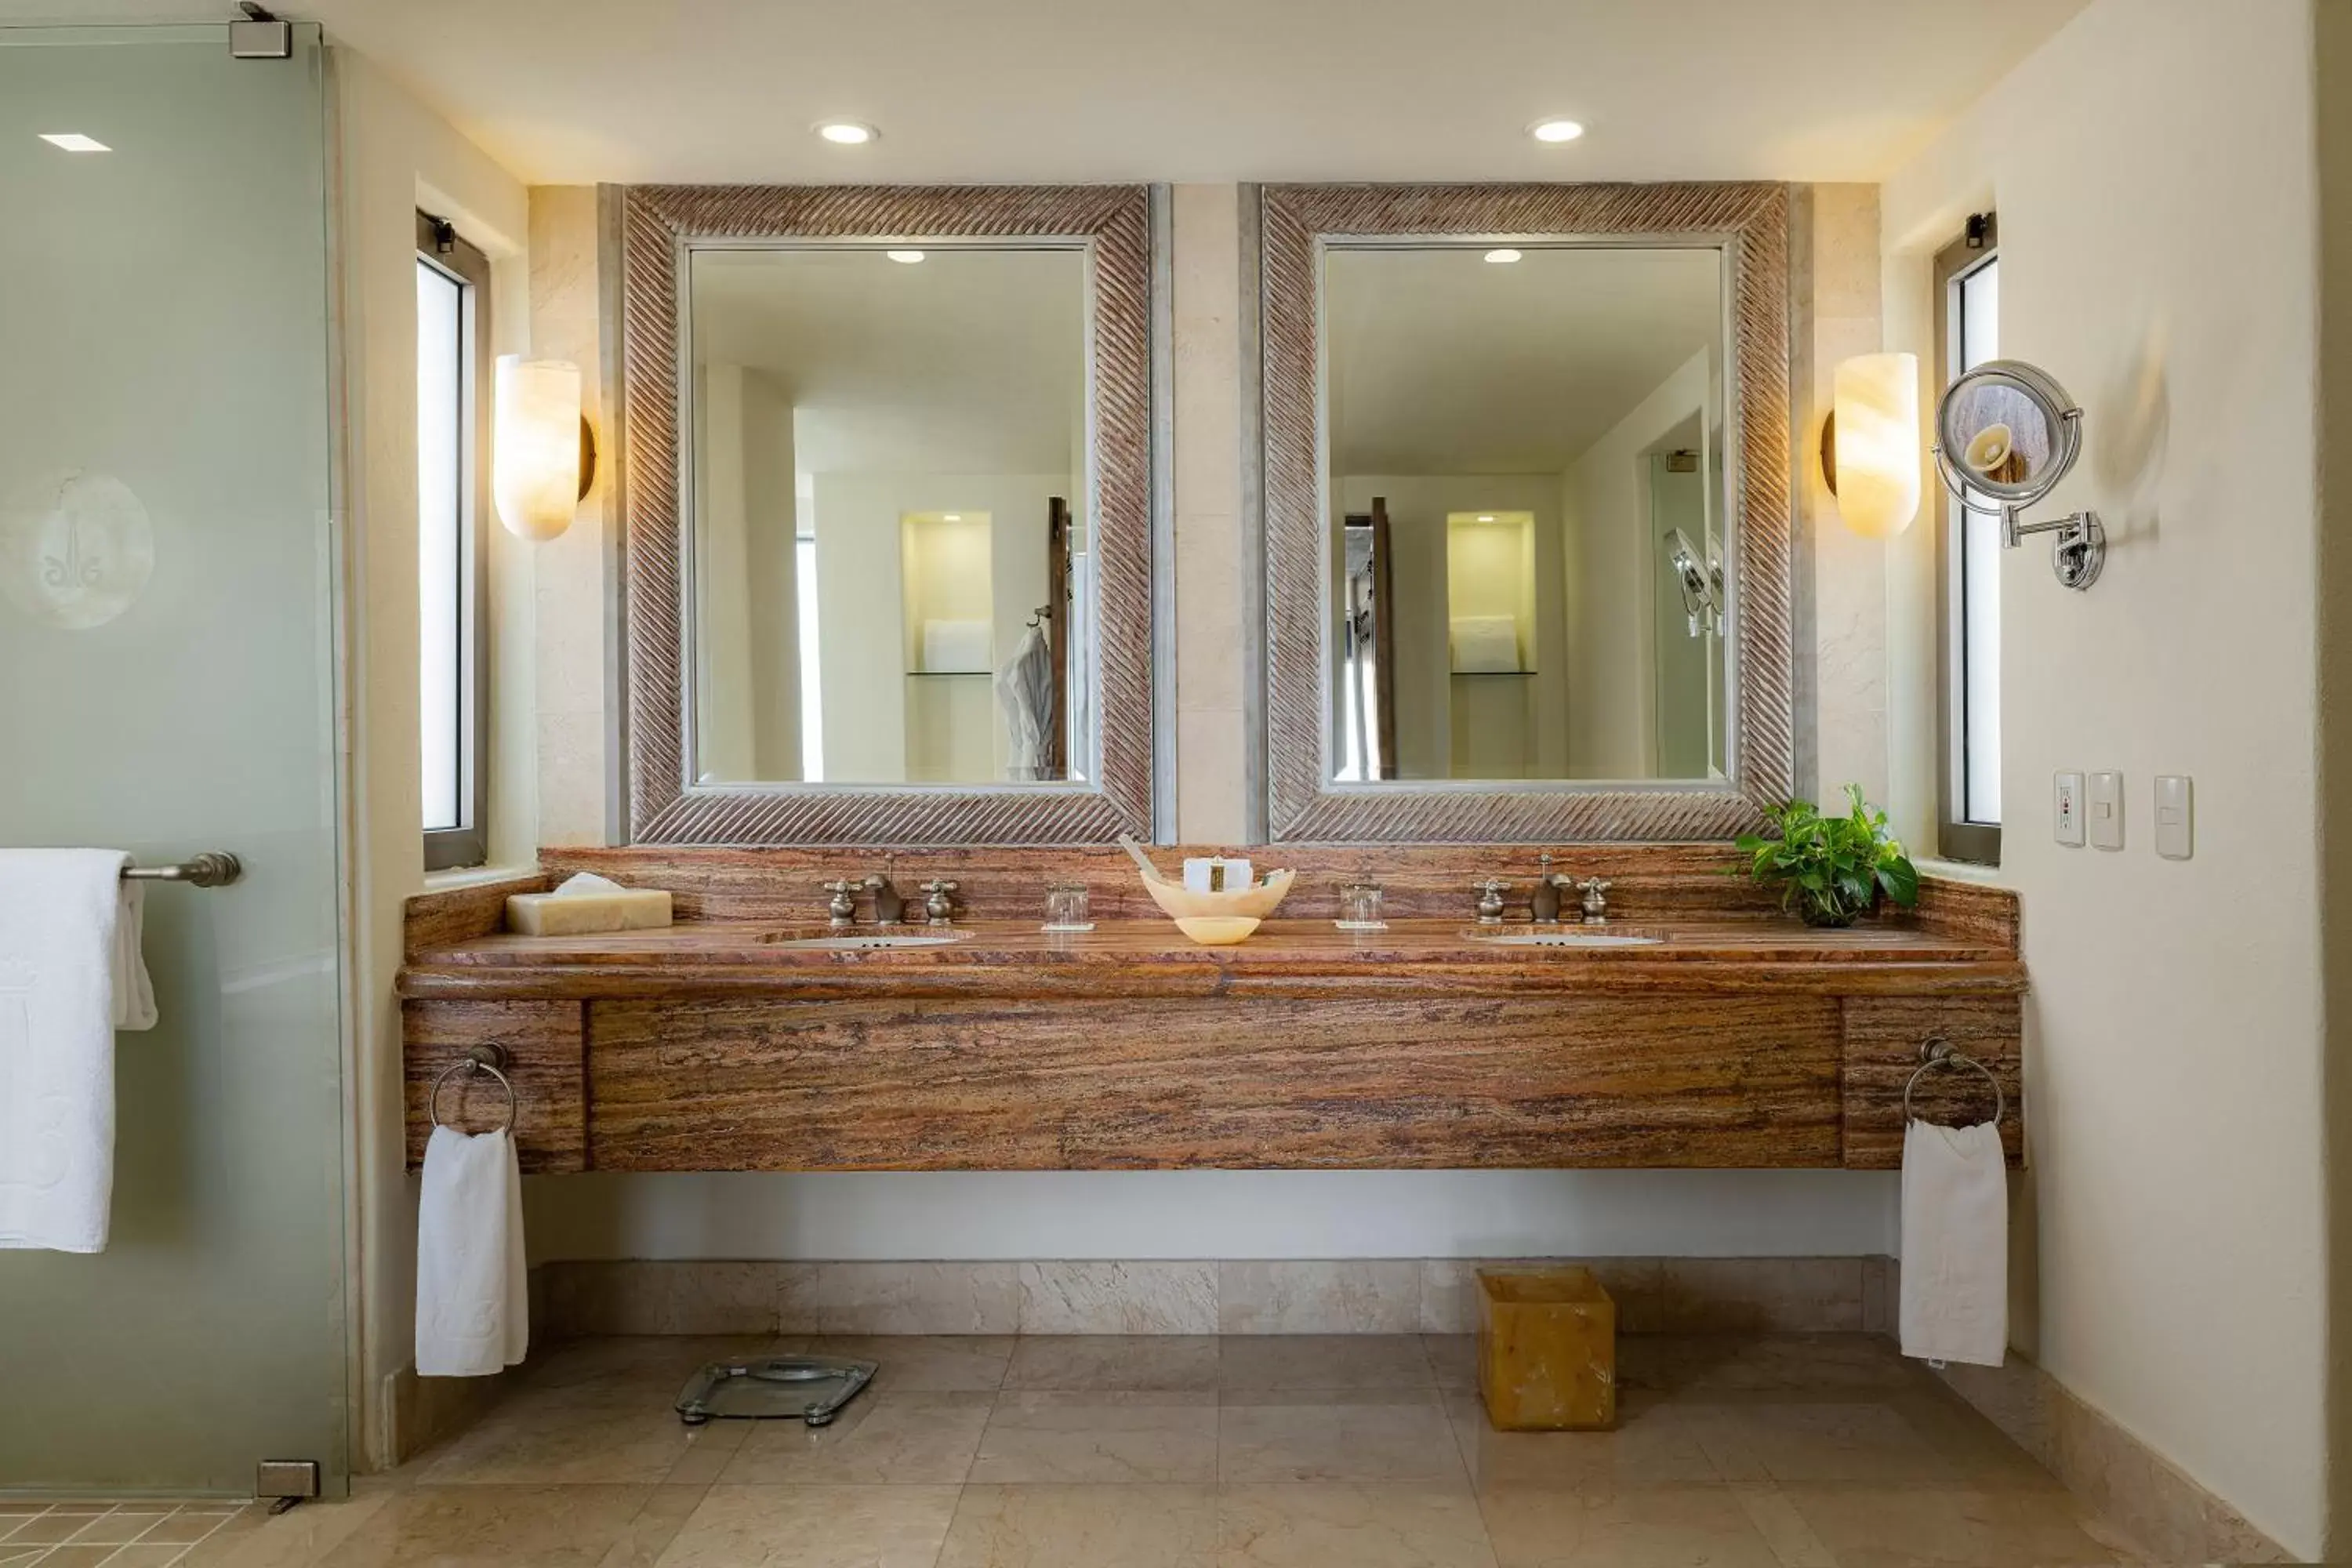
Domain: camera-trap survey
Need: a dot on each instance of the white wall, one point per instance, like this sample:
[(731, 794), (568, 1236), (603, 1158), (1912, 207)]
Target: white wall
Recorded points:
[(2153, 168), (1613, 661), (394, 157), (1214, 1214)]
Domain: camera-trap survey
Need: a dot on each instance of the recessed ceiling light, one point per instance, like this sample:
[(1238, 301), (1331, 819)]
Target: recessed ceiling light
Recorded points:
[(1506, 254), (951, 516), (75, 142), (1556, 130), (1485, 517), (908, 257), (846, 133)]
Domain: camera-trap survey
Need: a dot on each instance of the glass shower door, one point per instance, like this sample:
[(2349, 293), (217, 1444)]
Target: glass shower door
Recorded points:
[(168, 685)]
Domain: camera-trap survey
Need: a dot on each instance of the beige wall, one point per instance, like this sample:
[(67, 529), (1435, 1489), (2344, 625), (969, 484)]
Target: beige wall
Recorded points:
[(2153, 170), (396, 156)]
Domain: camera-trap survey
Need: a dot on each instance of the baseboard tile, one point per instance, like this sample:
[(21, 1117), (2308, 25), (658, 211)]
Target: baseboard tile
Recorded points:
[(1347, 1295)]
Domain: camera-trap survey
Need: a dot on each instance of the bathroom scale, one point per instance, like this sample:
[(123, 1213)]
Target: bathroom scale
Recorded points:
[(811, 1388)]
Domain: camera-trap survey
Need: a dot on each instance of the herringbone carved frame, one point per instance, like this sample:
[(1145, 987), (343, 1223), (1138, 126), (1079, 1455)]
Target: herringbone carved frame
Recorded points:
[(659, 224), (1750, 221)]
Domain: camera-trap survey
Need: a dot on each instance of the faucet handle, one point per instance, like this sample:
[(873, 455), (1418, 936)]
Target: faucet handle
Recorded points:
[(1490, 901), (1599, 885), (940, 906), (842, 909)]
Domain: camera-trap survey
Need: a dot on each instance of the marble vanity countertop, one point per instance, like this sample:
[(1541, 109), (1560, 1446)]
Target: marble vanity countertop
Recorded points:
[(1153, 958)]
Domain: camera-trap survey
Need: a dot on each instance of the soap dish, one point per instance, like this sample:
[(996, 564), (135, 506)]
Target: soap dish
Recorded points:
[(811, 1388)]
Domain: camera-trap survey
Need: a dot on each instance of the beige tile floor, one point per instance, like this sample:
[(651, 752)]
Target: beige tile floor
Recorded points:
[(1172, 1452)]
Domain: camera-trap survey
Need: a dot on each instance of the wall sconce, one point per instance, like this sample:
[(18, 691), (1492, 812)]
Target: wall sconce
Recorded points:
[(1870, 445), (543, 452)]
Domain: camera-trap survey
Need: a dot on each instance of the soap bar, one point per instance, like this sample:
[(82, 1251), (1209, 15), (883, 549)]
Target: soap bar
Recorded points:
[(1215, 873), (585, 914)]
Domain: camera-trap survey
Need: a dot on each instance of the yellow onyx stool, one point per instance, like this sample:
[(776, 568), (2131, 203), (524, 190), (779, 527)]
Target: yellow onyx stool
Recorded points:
[(1546, 1350)]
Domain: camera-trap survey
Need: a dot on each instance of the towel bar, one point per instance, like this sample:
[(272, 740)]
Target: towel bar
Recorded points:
[(213, 868), (1939, 1052)]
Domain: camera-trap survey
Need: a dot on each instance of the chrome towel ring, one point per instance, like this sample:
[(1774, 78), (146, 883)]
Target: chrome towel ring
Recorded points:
[(481, 1059), (1939, 1052)]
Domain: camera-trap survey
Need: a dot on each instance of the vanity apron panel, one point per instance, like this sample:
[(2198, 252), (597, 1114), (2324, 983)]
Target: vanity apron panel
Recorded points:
[(1242, 1082)]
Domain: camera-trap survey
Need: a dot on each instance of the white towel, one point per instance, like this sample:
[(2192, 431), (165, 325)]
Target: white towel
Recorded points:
[(70, 974), (473, 1287), (1485, 645), (1955, 1244), (952, 647), (1025, 692)]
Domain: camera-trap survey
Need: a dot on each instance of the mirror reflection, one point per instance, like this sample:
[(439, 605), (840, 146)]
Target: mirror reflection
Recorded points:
[(1529, 512), (891, 576)]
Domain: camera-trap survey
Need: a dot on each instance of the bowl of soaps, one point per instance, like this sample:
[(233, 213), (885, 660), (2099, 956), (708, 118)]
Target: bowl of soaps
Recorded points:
[(1219, 902)]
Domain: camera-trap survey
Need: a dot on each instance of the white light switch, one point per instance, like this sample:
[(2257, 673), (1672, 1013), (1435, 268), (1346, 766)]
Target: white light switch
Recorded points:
[(2175, 816), (2106, 811), (2066, 810)]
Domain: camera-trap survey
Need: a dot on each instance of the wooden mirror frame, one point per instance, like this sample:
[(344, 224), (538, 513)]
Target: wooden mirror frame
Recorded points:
[(1297, 223), (659, 227)]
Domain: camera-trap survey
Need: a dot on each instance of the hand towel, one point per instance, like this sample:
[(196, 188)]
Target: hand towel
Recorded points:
[(952, 648), (70, 974), (473, 1288), (1485, 645), (1955, 1302), (1025, 692)]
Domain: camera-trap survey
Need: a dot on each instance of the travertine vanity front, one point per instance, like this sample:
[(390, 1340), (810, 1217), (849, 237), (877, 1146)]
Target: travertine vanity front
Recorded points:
[(1739, 1039)]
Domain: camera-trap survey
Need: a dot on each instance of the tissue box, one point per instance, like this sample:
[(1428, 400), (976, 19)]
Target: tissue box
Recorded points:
[(1546, 1350), (587, 913)]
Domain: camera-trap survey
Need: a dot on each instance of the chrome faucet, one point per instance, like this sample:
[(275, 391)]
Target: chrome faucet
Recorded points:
[(1553, 889), (940, 905), (889, 908), (1596, 902), (1490, 901)]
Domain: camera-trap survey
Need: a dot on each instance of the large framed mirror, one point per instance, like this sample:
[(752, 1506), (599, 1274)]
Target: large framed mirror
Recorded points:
[(1527, 493), (888, 500)]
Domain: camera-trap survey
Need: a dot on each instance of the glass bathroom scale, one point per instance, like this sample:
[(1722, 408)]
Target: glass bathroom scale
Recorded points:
[(811, 1388)]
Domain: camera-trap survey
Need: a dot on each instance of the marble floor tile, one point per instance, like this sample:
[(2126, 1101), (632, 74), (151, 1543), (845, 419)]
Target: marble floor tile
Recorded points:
[(1113, 1362), (814, 1527), (1655, 1444), (894, 1439), (1947, 1527), (1267, 1443), (628, 1434), (916, 1364), (1648, 1527), (254, 1538), (1322, 1361), (1811, 1365), (1350, 1526), (516, 1527), (119, 1526), (1818, 1442), (1100, 1437), (594, 1367), (1083, 1527)]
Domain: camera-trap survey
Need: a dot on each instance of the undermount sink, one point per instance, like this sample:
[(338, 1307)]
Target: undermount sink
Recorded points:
[(1566, 939), (852, 941)]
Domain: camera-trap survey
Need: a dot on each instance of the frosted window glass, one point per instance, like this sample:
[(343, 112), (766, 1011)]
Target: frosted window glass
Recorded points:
[(440, 542), (1979, 564)]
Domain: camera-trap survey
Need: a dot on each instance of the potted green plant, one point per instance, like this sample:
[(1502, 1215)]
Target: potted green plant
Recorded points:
[(1831, 869)]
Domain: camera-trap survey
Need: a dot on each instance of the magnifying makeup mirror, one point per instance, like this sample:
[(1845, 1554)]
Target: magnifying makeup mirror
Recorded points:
[(2006, 433)]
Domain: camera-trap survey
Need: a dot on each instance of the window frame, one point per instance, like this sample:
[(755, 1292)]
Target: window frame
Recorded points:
[(440, 246), (1957, 838)]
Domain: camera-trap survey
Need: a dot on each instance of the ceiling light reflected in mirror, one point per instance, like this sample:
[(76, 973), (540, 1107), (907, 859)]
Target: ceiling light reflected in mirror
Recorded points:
[(847, 132), (1556, 130), (1503, 256), (75, 142), (907, 258)]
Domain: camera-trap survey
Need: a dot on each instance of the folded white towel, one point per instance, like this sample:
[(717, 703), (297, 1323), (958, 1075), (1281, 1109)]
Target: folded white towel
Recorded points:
[(952, 648), (1955, 1244), (473, 1288), (1485, 645), (70, 974)]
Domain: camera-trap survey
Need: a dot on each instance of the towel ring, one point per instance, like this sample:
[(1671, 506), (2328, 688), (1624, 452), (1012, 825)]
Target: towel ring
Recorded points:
[(1939, 1052), (481, 1059)]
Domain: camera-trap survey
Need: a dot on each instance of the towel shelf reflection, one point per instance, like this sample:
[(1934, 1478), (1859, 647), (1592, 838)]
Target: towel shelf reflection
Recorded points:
[(213, 868)]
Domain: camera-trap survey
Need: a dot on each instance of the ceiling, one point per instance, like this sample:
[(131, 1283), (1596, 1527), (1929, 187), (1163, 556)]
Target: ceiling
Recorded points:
[(1442, 362), (969, 361), (564, 91)]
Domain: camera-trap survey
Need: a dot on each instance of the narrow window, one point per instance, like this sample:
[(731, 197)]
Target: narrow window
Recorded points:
[(453, 322), (1967, 279)]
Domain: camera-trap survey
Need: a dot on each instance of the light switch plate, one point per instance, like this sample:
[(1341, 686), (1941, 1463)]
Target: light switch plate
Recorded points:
[(2176, 816), (2106, 815), (2066, 810)]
